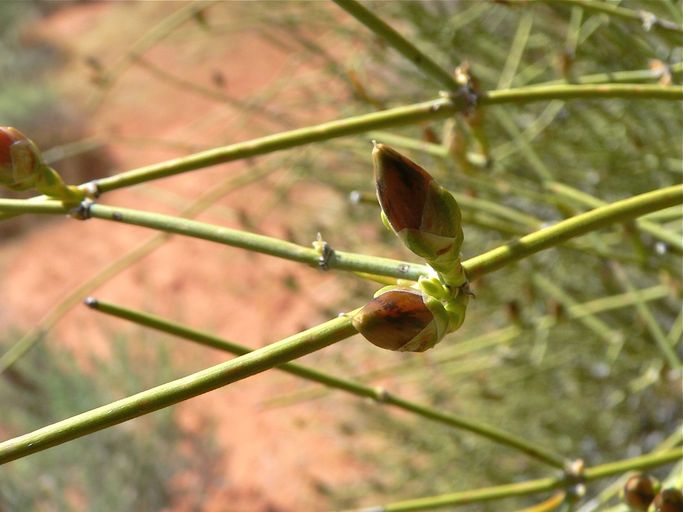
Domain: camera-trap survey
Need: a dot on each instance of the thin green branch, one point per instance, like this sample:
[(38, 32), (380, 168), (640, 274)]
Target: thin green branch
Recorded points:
[(349, 386), (622, 76), (582, 91), (481, 342), (490, 261), (618, 211), (420, 59), (236, 238), (293, 347), (646, 19), (532, 486), (673, 240), (118, 265), (434, 109)]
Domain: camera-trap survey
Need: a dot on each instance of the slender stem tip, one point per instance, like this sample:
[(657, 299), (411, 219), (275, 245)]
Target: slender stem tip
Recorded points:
[(91, 302)]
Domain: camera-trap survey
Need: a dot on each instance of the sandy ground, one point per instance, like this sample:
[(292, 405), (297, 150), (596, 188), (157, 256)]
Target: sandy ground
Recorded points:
[(272, 457)]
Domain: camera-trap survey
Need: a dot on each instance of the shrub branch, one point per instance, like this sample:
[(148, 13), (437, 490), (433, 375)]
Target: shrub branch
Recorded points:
[(332, 382), (142, 403), (533, 486)]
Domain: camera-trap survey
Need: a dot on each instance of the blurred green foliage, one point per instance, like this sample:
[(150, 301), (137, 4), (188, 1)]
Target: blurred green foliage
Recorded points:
[(138, 466)]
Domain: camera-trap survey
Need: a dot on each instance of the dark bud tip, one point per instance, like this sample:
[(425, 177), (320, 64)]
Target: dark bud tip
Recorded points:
[(402, 187), (639, 491)]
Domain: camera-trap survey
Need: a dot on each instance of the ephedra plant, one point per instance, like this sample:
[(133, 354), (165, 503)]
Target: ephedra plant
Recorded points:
[(472, 171)]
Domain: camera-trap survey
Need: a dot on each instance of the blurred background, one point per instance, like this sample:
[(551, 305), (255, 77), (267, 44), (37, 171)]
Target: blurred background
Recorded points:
[(557, 348)]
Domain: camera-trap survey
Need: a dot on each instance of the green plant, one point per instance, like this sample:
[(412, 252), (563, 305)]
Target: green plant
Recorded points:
[(47, 385), (518, 155)]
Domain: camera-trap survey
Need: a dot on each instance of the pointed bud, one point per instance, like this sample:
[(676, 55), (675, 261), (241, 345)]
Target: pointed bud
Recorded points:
[(419, 210), (669, 500), (22, 167), (399, 319), (639, 491), (20, 160)]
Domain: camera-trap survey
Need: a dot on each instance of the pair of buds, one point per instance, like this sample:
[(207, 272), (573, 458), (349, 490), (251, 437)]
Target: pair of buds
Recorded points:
[(22, 168), (644, 493), (426, 217)]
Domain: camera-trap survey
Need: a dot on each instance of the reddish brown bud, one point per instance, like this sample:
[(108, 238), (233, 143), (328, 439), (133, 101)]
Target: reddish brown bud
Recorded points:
[(20, 160), (669, 500), (639, 491), (419, 210), (402, 188), (398, 319)]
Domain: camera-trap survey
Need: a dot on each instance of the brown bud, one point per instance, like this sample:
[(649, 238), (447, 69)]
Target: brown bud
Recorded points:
[(639, 491), (669, 500), (419, 210), (398, 319), (402, 188), (20, 160)]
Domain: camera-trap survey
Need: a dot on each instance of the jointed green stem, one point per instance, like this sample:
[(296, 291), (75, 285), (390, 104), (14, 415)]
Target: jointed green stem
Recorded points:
[(581, 91), (532, 486), (621, 76), (75, 296), (349, 386), (478, 343), (619, 211), (646, 19), (311, 340), (435, 109), (259, 360), (674, 241), (575, 226)]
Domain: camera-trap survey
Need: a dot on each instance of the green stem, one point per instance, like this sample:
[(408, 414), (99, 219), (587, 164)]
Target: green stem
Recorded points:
[(645, 18), (490, 261), (533, 486), (165, 395), (618, 211), (497, 337), (259, 243), (421, 60), (434, 109), (76, 295), (635, 75), (582, 91), (674, 241), (233, 237), (349, 386)]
